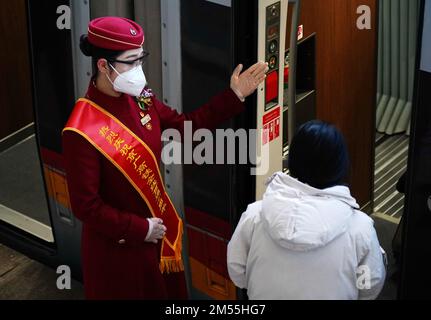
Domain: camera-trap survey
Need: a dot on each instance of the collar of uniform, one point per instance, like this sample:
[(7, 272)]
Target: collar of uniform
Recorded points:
[(103, 99)]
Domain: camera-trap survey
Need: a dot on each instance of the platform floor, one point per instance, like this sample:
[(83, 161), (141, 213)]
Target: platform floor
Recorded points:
[(24, 279)]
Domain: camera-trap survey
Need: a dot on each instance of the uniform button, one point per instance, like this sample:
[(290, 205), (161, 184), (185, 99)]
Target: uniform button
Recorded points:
[(122, 241)]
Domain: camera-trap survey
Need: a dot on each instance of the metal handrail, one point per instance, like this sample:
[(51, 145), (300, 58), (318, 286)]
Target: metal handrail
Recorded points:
[(292, 68)]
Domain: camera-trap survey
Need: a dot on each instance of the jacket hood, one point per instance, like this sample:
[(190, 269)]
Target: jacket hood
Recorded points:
[(302, 218)]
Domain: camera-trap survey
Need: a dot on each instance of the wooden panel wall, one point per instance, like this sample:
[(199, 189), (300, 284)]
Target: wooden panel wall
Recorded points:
[(346, 73), (16, 109)]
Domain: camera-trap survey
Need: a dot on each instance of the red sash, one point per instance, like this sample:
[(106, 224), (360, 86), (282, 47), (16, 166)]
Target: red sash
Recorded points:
[(138, 164)]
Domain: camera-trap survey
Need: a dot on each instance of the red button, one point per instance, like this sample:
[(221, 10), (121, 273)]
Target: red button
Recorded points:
[(271, 92)]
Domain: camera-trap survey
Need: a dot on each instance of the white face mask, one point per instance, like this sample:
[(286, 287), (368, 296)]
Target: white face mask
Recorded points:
[(132, 82)]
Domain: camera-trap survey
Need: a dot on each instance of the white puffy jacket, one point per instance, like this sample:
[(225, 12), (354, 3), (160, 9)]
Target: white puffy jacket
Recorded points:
[(304, 243)]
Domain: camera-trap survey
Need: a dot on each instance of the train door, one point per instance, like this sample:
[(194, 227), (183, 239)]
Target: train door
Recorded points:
[(397, 43), (215, 37), (23, 204), (48, 86), (325, 67), (398, 29), (414, 278), (51, 74)]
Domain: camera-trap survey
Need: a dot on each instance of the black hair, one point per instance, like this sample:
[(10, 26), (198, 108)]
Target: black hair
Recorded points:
[(318, 155), (97, 53)]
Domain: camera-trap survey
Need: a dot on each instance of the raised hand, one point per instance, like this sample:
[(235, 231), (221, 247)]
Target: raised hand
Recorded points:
[(244, 84)]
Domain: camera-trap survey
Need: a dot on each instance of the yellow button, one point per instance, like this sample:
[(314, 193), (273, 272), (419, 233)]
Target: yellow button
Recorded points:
[(122, 241)]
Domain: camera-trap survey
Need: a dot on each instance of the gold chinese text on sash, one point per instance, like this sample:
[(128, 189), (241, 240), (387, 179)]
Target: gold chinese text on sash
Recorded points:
[(135, 160)]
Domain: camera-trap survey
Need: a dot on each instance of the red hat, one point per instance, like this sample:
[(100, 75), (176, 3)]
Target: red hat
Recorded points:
[(115, 33)]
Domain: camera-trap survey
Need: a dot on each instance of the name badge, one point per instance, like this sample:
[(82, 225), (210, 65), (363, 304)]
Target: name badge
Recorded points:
[(145, 120)]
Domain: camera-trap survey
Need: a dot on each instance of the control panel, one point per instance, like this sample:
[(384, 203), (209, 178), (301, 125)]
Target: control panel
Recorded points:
[(270, 95), (273, 16)]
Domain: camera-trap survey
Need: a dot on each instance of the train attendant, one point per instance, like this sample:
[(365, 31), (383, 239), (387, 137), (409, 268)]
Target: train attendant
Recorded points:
[(131, 237)]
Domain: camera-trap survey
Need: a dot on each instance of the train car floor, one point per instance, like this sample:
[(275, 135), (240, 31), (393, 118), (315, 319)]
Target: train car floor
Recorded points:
[(390, 165), (21, 183)]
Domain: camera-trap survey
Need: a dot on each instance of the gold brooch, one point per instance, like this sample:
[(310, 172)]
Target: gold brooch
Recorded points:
[(144, 103)]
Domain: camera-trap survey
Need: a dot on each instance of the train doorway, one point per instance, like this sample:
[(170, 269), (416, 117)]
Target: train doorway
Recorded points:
[(23, 202)]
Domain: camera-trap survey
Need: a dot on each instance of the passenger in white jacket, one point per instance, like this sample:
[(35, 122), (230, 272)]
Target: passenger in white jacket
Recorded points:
[(307, 238)]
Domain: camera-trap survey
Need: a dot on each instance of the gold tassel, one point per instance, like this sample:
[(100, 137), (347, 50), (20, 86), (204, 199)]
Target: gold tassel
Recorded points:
[(176, 264), (171, 266)]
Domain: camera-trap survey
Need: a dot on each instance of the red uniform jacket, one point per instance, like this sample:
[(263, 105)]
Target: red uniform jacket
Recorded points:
[(112, 210)]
